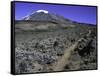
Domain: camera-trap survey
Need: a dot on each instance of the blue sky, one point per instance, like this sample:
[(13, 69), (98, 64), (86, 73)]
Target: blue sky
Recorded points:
[(82, 14)]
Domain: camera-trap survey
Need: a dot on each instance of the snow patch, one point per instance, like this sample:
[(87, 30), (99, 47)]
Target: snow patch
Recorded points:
[(45, 11)]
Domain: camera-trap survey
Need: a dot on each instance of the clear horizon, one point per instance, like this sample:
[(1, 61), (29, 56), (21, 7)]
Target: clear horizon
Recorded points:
[(82, 14)]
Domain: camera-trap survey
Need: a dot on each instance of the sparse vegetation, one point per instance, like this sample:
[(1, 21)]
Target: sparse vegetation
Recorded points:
[(38, 51)]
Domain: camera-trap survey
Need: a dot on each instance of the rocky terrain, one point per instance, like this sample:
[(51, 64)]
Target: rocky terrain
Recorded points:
[(47, 44)]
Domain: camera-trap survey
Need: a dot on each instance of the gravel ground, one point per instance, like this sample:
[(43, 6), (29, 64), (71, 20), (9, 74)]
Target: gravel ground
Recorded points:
[(39, 51)]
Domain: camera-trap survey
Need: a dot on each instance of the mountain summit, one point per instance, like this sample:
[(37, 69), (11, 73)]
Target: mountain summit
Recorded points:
[(44, 15), (45, 11), (43, 20)]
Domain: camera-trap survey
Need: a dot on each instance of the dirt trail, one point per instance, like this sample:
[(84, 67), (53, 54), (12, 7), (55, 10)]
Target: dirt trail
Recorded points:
[(59, 66), (64, 60)]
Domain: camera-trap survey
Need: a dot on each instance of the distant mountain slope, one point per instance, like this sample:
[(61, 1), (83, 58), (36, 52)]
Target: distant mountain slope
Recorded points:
[(41, 15), (43, 20)]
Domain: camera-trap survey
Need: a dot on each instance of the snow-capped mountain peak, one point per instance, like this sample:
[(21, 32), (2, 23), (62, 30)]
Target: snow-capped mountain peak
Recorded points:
[(44, 15), (44, 11)]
